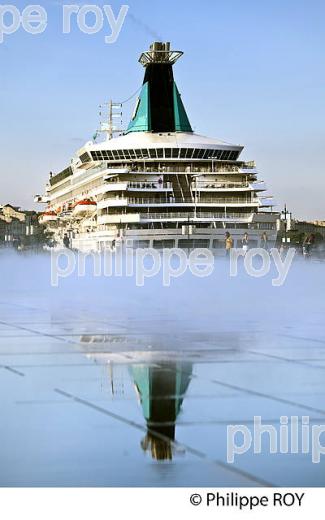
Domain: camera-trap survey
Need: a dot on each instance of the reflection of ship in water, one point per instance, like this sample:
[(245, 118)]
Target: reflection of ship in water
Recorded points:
[(161, 369), (161, 390), (160, 382)]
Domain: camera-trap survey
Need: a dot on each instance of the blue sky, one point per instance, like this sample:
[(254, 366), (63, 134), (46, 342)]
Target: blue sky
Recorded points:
[(252, 73)]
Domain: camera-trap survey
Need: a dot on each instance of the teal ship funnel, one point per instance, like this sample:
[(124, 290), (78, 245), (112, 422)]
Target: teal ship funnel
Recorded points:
[(159, 107)]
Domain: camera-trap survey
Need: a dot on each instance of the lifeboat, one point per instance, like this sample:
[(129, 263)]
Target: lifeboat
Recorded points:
[(48, 216), (84, 208)]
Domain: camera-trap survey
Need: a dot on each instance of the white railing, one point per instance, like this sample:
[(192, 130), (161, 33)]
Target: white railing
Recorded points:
[(233, 200), (205, 200), (150, 185), (123, 201), (268, 201), (115, 186), (219, 185), (258, 186), (196, 215), (180, 168), (115, 171), (106, 203), (247, 170), (144, 185), (139, 200)]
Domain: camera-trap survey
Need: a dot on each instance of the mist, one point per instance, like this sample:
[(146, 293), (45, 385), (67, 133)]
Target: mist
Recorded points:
[(213, 304)]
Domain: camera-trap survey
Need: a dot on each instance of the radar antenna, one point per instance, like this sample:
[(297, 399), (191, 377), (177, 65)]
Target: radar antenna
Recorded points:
[(112, 120)]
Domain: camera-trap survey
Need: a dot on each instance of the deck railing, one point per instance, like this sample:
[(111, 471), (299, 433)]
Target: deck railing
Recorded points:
[(205, 200), (181, 168), (196, 215), (219, 185), (150, 185)]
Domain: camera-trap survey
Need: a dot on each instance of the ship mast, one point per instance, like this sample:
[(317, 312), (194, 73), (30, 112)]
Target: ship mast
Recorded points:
[(113, 123)]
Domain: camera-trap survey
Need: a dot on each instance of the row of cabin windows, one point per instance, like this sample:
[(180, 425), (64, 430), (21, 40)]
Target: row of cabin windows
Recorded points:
[(162, 153)]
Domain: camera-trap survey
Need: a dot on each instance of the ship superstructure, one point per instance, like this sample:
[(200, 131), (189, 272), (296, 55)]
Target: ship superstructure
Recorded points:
[(159, 184)]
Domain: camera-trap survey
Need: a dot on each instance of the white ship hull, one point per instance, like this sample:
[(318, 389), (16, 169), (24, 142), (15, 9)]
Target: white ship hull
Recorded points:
[(213, 239)]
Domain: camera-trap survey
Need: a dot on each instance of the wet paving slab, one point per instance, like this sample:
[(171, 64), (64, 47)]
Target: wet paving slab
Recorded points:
[(95, 395)]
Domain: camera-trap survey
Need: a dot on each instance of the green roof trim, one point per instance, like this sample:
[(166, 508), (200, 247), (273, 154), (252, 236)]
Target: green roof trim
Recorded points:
[(141, 120), (182, 123)]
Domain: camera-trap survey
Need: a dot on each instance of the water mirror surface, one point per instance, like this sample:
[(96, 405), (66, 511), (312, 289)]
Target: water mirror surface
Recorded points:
[(103, 383)]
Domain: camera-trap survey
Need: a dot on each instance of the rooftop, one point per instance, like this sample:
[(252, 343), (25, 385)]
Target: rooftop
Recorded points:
[(169, 139)]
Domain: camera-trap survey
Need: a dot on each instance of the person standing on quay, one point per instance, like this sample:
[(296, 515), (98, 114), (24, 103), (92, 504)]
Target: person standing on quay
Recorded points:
[(229, 243), (66, 241), (245, 242), (264, 240)]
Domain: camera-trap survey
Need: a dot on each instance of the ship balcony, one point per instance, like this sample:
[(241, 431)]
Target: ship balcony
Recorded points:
[(149, 186), (176, 168), (258, 186), (179, 168), (197, 216), (118, 218), (188, 216), (115, 186), (135, 202), (112, 203), (138, 186), (248, 170), (206, 201), (267, 201), (236, 201), (214, 186), (115, 171)]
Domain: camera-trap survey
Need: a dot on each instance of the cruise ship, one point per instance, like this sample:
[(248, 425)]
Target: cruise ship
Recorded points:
[(158, 184)]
